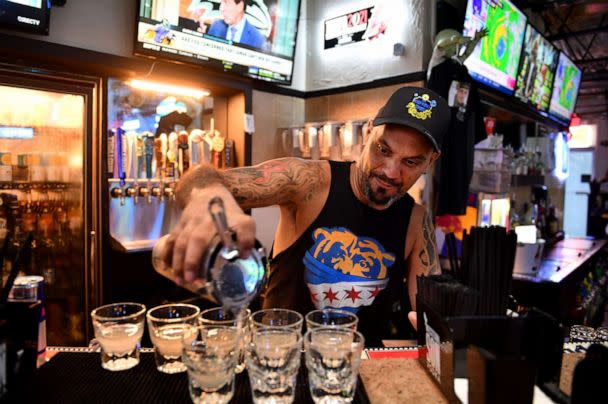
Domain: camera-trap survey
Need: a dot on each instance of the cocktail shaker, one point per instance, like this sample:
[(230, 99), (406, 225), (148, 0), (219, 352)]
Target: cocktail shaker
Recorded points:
[(230, 280)]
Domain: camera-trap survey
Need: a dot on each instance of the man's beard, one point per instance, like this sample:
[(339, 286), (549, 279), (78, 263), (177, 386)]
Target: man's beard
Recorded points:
[(379, 197)]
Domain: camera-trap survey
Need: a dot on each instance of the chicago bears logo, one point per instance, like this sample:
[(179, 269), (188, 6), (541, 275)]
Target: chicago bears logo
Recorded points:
[(344, 270)]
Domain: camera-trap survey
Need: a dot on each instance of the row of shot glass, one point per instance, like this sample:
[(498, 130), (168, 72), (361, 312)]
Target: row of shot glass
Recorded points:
[(215, 344)]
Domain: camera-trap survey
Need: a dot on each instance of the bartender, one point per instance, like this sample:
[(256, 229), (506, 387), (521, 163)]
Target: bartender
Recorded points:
[(349, 235)]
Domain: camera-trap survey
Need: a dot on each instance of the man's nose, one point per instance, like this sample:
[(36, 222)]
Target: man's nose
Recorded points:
[(393, 169)]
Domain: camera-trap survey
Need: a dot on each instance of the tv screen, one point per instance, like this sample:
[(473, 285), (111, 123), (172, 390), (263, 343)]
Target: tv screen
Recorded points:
[(26, 15), (565, 89), (495, 59), (536, 70), (255, 38)]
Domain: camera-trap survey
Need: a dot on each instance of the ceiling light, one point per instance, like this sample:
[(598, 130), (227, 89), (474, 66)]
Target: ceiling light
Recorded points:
[(168, 88)]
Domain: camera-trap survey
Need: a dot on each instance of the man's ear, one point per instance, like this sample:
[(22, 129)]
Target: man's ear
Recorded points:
[(434, 156), (368, 130)]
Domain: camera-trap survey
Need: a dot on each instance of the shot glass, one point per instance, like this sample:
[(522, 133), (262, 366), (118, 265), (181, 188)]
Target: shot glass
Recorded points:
[(273, 360), (333, 356), (168, 325), (280, 318), (220, 316), (331, 318), (118, 328), (210, 358)]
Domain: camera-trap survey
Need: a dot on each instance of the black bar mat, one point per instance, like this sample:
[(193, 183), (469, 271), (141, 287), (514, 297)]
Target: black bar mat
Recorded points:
[(76, 377)]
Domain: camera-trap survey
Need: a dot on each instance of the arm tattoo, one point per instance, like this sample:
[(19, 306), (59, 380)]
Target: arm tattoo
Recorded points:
[(428, 255), (275, 182)]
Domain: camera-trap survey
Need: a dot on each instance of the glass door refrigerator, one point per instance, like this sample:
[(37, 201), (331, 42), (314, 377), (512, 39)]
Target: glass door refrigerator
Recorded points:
[(49, 174)]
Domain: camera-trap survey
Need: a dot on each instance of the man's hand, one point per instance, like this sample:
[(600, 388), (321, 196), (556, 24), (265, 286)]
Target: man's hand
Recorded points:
[(275, 182), (190, 238), (413, 317)]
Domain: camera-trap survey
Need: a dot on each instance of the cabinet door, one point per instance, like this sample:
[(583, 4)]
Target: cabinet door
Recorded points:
[(47, 131)]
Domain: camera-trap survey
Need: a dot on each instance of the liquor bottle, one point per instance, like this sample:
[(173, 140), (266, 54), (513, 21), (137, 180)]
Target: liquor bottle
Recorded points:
[(229, 154), (3, 220), (514, 219), (45, 220), (14, 228), (552, 223), (538, 159), (28, 217)]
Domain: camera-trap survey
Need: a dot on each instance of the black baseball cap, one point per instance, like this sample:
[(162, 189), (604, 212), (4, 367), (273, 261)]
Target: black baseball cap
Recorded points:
[(418, 108)]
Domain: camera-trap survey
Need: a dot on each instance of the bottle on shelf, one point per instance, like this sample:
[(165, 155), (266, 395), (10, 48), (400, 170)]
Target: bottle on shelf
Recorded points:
[(514, 219), (552, 223)]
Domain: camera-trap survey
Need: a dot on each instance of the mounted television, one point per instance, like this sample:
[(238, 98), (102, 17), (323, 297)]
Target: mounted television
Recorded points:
[(536, 70), (565, 89), (26, 15), (254, 38), (495, 60)]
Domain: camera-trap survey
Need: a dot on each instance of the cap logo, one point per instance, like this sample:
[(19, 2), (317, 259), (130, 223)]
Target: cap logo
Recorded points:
[(421, 106)]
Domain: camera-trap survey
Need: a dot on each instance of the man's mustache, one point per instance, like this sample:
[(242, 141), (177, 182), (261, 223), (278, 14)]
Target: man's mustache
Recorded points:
[(386, 180)]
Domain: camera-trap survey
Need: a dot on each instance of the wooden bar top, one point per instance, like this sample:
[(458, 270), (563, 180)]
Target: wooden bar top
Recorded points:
[(398, 381)]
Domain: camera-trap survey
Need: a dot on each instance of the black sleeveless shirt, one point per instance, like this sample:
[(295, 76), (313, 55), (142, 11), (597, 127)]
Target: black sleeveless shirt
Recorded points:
[(350, 257)]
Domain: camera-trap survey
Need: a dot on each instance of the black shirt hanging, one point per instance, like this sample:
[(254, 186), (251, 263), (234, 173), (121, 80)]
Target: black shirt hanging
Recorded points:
[(455, 167)]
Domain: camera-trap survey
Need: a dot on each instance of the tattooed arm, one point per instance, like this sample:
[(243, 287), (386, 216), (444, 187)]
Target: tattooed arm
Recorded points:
[(277, 182), (423, 259), (274, 182)]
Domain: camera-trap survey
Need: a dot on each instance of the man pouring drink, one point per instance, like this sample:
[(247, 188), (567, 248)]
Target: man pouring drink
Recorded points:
[(349, 236)]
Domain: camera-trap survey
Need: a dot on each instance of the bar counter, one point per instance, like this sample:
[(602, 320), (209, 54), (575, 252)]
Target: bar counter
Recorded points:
[(556, 286), (387, 376)]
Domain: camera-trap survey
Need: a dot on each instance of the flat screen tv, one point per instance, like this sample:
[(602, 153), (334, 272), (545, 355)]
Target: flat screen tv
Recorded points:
[(495, 60), (565, 89), (254, 38), (536, 70), (26, 15)]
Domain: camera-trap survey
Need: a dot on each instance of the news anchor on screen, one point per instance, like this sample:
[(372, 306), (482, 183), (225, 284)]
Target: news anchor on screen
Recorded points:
[(235, 27)]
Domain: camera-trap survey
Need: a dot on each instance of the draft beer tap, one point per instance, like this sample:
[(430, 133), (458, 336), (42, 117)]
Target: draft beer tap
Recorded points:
[(169, 192), (132, 192), (144, 192), (157, 192), (118, 192)]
